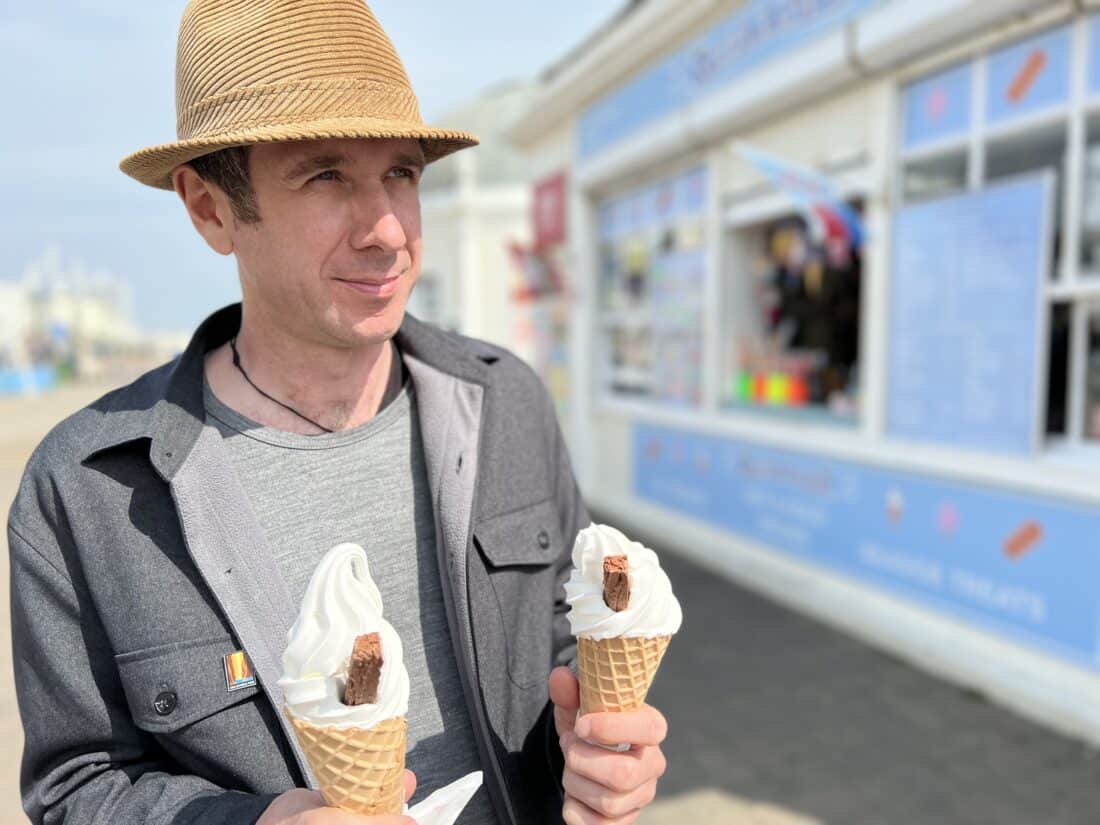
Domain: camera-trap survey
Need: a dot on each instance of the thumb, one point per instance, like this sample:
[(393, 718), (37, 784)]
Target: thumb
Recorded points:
[(410, 784), (566, 695)]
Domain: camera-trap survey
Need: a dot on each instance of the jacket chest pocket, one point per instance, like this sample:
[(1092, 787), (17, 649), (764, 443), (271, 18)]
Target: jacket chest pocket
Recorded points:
[(515, 591), (169, 687)]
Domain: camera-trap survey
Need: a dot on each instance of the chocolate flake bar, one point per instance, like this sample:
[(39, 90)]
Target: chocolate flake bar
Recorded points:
[(364, 670), (616, 583)]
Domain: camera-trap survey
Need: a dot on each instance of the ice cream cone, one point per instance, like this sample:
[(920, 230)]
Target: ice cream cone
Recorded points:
[(615, 674), (358, 770)]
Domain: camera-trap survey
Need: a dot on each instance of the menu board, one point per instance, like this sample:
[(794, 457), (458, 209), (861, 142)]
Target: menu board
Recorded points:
[(1094, 56), (966, 323), (652, 273)]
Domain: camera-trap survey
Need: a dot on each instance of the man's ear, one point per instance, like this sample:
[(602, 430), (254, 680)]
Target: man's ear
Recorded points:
[(208, 208)]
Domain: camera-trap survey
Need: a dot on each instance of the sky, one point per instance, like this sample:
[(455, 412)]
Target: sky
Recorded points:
[(89, 81)]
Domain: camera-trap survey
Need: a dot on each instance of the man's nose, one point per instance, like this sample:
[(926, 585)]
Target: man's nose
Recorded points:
[(376, 223)]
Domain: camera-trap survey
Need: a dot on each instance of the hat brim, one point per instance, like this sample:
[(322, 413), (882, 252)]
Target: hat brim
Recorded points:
[(154, 166)]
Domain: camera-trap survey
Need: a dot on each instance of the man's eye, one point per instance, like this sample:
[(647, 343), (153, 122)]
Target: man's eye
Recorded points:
[(403, 172), (328, 174)]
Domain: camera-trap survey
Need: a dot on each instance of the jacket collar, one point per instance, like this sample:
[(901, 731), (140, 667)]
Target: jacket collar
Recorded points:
[(165, 407)]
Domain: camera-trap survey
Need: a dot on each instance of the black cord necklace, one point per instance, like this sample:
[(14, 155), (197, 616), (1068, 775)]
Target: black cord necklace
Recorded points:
[(237, 364)]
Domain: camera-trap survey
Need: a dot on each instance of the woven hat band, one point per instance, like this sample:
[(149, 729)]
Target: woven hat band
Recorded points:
[(296, 102)]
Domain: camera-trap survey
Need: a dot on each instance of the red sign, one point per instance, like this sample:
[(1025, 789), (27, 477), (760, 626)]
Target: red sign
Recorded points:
[(548, 211)]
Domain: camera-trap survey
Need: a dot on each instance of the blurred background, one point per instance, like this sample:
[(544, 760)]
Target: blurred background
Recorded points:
[(815, 286)]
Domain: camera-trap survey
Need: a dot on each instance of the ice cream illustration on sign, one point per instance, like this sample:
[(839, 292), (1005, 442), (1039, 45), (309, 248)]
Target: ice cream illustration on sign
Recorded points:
[(623, 613), (346, 693)]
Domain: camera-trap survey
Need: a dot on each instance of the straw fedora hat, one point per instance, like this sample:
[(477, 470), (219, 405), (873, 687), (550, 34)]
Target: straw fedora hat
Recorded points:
[(259, 71)]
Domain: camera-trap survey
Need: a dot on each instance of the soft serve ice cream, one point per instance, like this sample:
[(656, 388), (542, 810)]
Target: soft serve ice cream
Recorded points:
[(356, 752), (623, 613), (652, 610), (341, 603)]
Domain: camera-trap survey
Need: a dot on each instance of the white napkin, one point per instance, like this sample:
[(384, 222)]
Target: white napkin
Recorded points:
[(444, 806)]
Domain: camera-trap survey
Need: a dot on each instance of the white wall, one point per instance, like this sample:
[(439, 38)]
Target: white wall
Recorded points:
[(504, 221), (15, 320)]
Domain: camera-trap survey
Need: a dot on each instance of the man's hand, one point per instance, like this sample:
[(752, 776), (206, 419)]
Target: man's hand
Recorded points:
[(603, 787), (302, 807)]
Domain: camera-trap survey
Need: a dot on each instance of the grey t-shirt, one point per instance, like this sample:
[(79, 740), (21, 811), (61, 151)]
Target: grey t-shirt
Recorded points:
[(368, 485)]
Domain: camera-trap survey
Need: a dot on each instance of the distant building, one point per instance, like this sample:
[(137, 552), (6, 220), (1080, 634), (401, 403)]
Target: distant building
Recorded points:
[(15, 320), (60, 319), (475, 206)]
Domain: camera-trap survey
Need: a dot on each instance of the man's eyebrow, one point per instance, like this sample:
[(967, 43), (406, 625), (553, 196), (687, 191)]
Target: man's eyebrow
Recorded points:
[(409, 159), (314, 163)]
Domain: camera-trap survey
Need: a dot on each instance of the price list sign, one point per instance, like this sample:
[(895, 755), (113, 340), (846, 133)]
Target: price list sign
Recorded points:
[(967, 321)]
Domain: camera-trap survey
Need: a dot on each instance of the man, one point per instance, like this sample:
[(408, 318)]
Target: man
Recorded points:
[(162, 538)]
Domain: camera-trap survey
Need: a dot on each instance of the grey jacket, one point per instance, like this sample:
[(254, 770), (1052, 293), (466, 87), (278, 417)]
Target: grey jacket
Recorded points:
[(137, 565)]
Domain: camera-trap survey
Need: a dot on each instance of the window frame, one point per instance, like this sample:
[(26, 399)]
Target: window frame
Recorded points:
[(1071, 282)]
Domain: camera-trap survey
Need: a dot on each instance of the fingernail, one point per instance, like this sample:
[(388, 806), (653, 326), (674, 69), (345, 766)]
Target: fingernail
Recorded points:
[(583, 727)]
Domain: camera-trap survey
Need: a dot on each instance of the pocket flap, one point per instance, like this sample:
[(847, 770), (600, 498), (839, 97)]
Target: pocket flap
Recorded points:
[(529, 535), (170, 686)]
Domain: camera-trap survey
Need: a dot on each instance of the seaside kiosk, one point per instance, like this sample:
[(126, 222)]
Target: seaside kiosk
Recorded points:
[(889, 421)]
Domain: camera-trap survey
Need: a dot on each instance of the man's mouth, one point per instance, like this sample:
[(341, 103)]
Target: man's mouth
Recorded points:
[(380, 287)]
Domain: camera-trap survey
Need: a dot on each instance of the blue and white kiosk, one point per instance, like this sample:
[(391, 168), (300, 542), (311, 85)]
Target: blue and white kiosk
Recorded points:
[(901, 439)]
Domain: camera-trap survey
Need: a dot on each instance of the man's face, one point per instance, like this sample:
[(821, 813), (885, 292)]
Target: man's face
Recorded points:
[(337, 249)]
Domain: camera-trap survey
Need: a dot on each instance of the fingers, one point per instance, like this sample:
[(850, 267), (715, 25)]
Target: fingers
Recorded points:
[(410, 784), (292, 803), (645, 726), (621, 773), (575, 812), (603, 800), (335, 816), (305, 807), (565, 694), (564, 690)]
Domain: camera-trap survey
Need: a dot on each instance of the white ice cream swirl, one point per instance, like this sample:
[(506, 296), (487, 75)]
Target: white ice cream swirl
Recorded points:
[(653, 610), (341, 602)]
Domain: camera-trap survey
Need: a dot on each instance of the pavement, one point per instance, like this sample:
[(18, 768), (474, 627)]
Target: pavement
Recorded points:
[(774, 719)]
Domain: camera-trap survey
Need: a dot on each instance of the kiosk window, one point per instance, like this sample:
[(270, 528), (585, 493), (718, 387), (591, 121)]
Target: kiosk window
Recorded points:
[(1027, 127), (793, 308), (934, 177), (1058, 374), (652, 274), (1090, 213), (1092, 378)]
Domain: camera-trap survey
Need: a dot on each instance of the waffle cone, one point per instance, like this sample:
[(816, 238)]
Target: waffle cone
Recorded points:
[(615, 674), (358, 770)]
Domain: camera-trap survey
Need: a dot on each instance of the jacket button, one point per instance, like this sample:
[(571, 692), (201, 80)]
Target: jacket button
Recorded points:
[(544, 539), (165, 703)]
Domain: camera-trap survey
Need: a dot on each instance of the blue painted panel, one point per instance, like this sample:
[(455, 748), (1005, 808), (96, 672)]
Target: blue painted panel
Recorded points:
[(938, 107), (1029, 76), (1094, 56), (33, 379), (1023, 566)]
